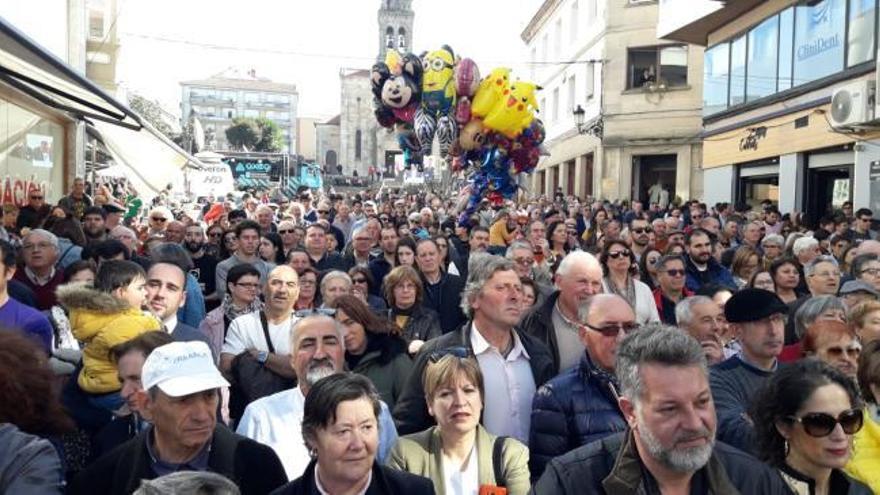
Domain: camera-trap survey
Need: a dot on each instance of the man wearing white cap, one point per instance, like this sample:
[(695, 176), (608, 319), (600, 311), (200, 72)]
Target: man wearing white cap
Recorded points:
[(182, 384)]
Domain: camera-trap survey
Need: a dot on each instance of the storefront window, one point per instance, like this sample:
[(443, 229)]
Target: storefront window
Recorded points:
[(738, 71), (754, 190), (763, 44), (786, 48), (862, 15), (819, 40), (31, 154), (715, 72)]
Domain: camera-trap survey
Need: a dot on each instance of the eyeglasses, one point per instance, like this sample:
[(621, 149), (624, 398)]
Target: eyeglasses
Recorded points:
[(359, 280), (159, 219), (827, 274), (438, 64), (36, 197), (612, 329), (315, 311), (674, 272), (248, 286), (524, 261), (821, 424), (215, 234), (459, 352), (618, 254), (871, 271), (306, 283), (229, 239), (838, 351), (638, 230), (38, 246), (323, 212), (286, 231), (384, 219)]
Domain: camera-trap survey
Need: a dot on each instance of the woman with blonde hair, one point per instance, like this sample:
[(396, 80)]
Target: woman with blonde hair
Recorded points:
[(458, 455)]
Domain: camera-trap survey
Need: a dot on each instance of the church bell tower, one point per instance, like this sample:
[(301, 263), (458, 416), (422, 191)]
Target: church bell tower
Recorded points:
[(395, 26)]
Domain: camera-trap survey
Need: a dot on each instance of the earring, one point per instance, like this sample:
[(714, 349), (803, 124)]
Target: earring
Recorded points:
[(786, 447)]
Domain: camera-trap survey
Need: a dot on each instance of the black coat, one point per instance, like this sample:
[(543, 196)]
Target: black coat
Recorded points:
[(411, 411), (385, 481), (422, 324), (254, 467), (538, 323), (448, 301)]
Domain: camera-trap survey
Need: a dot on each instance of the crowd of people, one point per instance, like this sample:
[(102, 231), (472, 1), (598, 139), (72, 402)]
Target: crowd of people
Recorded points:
[(379, 342)]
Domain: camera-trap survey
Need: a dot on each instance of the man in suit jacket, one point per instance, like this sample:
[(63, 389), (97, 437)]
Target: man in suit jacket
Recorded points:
[(166, 293)]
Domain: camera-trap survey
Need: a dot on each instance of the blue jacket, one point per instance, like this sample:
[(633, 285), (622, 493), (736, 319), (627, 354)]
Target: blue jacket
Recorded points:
[(715, 273), (575, 408), (193, 311)]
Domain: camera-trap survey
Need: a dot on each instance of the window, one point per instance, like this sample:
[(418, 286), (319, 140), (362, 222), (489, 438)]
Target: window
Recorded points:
[(401, 40), (389, 37), (573, 22), (657, 64), (572, 93), (715, 72), (357, 145), (786, 48), (554, 112), (818, 40), (557, 38), (589, 82), (738, 71), (763, 44), (860, 40)]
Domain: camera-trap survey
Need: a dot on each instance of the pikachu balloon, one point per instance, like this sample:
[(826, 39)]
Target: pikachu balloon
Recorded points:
[(491, 90), (511, 115)]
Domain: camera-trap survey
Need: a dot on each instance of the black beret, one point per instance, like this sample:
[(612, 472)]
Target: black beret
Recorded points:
[(753, 305)]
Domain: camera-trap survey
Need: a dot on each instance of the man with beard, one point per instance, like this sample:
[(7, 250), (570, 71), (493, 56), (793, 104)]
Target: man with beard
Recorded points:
[(670, 445), (639, 234), (204, 264), (700, 266), (318, 350), (757, 320), (383, 264), (93, 224), (478, 242)]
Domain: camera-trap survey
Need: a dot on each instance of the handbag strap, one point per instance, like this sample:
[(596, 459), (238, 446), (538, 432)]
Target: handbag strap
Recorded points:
[(266, 332), (497, 462)]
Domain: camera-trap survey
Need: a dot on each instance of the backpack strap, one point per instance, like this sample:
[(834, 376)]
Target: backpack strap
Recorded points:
[(266, 332), (497, 463)]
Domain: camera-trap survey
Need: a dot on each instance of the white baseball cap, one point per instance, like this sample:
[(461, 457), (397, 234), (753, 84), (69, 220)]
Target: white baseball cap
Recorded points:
[(182, 368)]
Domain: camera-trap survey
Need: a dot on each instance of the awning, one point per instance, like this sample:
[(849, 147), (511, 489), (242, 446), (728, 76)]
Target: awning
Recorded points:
[(31, 69), (152, 160)]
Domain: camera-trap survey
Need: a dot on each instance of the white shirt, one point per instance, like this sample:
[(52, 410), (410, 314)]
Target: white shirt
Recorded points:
[(170, 324), (246, 332), (509, 386), (460, 482), (323, 491)]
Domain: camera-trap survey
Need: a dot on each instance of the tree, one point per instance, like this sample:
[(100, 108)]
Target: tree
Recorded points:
[(270, 136), (152, 112), (243, 134)]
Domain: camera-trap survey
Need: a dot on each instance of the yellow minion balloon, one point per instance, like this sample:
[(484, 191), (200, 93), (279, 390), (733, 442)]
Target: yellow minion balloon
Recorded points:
[(511, 115), (491, 90), (438, 88)]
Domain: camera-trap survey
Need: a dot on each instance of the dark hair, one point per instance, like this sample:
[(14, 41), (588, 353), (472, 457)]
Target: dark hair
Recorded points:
[(778, 263), (643, 265), (275, 239), (374, 325), (477, 228), (238, 271), (869, 370), (95, 210), (28, 395), (695, 232), (404, 241), (115, 274), (784, 395), (78, 266), (232, 215), (603, 258), (863, 211), (550, 229), (68, 228), (106, 250), (224, 251), (362, 270), (664, 260), (7, 254), (859, 262), (324, 397), (711, 289), (145, 343), (247, 225), (173, 254), (318, 226)]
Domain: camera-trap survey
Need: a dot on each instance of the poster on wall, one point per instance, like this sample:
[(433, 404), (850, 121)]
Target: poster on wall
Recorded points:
[(39, 150)]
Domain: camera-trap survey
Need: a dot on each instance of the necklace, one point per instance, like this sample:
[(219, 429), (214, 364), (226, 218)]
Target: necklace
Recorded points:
[(571, 324)]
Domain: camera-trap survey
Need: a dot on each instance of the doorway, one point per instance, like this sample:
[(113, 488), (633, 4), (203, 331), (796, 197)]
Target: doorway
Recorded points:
[(390, 155), (827, 189), (649, 170)]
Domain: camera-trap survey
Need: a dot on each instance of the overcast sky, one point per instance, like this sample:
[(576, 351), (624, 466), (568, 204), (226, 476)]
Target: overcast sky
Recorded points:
[(299, 41)]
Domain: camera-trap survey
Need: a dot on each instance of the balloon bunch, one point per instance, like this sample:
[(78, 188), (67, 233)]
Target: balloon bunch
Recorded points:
[(485, 127)]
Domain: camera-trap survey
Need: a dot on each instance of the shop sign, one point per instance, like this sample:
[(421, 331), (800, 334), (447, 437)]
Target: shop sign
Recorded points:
[(750, 142), (16, 189)]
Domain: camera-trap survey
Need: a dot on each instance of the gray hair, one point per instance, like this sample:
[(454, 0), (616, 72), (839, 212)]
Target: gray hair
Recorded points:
[(858, 263), (684, 310), (807, 314), (803, 244), (773, 239), (575, 257), (665, 260), (294, 329), (516, 245), (53, 239), (117, 231), (790, 240), (360, 229), (481, 267), (188, 482), (333, 275), (655, 344), (810, 267)]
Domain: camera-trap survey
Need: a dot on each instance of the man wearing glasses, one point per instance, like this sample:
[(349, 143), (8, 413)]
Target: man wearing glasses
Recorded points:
[(31, 215), (40, 251), (640, 235), (580, 405), (671, 287), (862, 229), (757, 319)]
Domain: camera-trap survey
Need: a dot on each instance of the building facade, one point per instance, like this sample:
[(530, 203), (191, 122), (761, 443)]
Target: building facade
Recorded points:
[(639, 98), (235, 93), (771, 68)]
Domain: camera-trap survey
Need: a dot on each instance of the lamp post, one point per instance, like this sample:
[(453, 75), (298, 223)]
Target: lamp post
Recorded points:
[(579, 113), (594, 128)]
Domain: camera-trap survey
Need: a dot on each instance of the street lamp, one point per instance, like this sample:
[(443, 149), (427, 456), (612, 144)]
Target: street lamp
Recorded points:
[(579, 113), (594, 128)]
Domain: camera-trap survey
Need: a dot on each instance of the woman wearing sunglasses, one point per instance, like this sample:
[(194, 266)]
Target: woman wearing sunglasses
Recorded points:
[(805, 419), (362, 285), (834, 343), (458, 455), (373, 347), (618, 263), (865, 463)]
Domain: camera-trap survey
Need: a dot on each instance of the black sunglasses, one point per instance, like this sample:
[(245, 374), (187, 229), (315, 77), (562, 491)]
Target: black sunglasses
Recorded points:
[(315, 311), (286, 231), (639, 230), (821, 424), (459, 352), (160, 220), (675, 273), (618, 254), (359, 280), (613, 330), (323, 212), (215, 234)]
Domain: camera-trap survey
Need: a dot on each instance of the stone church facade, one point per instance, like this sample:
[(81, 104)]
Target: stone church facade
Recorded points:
[(362, 142)]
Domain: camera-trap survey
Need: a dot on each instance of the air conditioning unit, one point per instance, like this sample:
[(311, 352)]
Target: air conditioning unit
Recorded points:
[(852, 104)]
